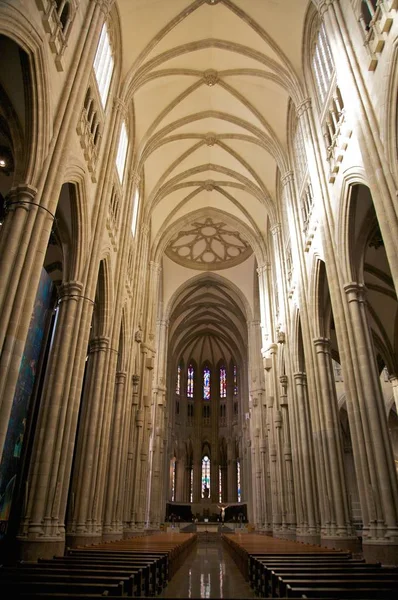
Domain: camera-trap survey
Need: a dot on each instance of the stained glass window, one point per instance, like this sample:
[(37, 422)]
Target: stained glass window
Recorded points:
[(238, 480), (235, 380), (190, 381), (223, 382), (206, 477), (206, 384), (173, 480), (191, 486), (219, 484), (178, 384)]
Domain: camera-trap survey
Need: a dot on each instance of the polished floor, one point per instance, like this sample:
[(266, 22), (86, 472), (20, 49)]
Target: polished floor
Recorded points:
[(208, 572)]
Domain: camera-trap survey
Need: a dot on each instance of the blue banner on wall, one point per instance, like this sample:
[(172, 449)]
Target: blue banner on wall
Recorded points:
[(10, 460)]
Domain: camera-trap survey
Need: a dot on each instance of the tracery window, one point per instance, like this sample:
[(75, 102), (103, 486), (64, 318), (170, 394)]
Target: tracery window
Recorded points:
[(223, 382), (206, 477), (122, 151), (178, 383), (238, 480), (58, 18), (322, 64), (190, 376), (103, 64), (206, 383), (235, 380)]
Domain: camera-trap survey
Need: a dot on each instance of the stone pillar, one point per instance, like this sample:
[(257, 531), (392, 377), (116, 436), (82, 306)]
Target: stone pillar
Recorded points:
[(85, 526), (112, 525), (287, 457), (374, 461), (338, 528), (43, 530), (309, 528), (28, 225), (359, 107), (156, 508)]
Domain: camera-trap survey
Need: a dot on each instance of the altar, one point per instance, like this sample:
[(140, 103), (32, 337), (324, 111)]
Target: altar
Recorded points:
[(207, 527)]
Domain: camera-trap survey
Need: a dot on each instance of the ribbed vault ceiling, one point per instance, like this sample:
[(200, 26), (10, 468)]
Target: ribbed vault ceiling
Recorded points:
[(210, 83), (208, 323)]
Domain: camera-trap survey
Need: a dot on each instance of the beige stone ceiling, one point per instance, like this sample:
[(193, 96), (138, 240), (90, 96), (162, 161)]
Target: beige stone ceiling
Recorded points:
[(209, 85)]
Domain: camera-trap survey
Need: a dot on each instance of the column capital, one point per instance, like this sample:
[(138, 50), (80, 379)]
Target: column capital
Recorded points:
[(322, 345), (356, 292), (287, 177), (275, 229), (261, 269), (120, 377), (105, 5), (98, 344), (300, 377), (120, 106), (303, 107), (70, 289)]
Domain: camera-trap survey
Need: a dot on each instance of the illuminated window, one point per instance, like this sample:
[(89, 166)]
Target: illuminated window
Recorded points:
[(219, 484), (122, 151), (235, 380), (190, 381), (206, 477), (206, 384), (136, 204), (173, 480), (238, 480), (223, 383), (103, 65), (191, 486), (178, 384), (322, 63)]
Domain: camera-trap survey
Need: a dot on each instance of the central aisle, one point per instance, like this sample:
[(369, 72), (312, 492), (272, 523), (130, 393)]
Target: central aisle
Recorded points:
[(208, 572)]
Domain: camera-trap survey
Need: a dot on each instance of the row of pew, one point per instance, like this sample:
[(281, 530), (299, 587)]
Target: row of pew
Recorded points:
[(138, 567), (286, 569)]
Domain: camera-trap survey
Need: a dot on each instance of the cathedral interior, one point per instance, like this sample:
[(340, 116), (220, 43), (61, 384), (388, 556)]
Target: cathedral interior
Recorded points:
[(199, 265)]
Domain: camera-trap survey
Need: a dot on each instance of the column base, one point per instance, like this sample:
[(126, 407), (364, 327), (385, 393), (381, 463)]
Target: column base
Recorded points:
[(286, 535), (32, 550), (380, 551), (309, 538), (72, 541), (112, 536), (350, 544)]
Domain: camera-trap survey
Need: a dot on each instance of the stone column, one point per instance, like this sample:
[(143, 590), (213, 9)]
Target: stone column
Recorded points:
[(287, 457), (339, 530), (156, 507), (28, 225), (128, 516), (112, 526), (374, 461), (43, 531), (85, 527), (359, 106), (309, 529)]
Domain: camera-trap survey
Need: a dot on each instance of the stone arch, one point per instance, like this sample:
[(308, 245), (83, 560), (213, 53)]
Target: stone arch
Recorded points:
[(389, 116), (16, 27)]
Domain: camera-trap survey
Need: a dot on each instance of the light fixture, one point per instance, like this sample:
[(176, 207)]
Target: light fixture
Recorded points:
[(2, 163)]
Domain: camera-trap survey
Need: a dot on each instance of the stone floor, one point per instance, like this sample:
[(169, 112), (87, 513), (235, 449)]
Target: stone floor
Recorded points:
[(208, 572)]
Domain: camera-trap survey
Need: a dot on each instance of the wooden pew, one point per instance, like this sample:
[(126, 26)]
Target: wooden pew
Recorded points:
[(361, 592)]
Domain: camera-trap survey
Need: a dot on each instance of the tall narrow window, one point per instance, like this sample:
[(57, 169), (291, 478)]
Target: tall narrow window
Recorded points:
[(223, 382), (122, 151), (322, 63), (191, 486), (190, 376), (173, 480), (235, 380), (206, 384), (206, 477), (103, 65), (219, 484), (136, 203), (178, 383), (238, 480)]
